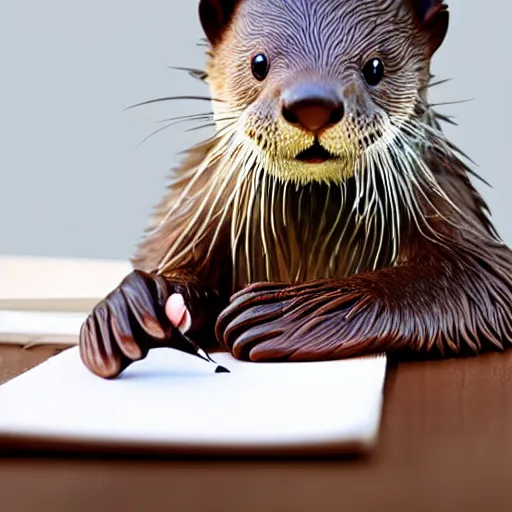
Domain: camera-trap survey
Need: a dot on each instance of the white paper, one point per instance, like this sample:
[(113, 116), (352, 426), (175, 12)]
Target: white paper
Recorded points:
[(174, 400)]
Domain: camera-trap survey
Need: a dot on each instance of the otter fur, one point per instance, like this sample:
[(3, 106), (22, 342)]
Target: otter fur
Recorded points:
[(328, 216)]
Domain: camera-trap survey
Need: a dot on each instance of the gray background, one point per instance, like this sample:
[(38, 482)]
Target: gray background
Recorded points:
[(73, 181)]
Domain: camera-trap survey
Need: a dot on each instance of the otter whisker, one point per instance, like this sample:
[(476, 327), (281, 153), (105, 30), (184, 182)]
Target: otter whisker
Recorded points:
[(359, 211), (435, 84), (446, 119), (199, 231), (458, 102), (395, 175), (237, 222), (380, 213), (365, 218), (300, 223), (426, 174), (235, 226), (263, 217), (284, 209), (171, 253), (174, 123), (283, 254), (220, 141), (200, 127), (392, 204), (227, 115), (248, 220), (320, 228), (198, 74), (411, 161), (406, 183), (341, 239), (179, 248), (172, 98), (205, 115), (334, 227), (247, 162), (441, 141)]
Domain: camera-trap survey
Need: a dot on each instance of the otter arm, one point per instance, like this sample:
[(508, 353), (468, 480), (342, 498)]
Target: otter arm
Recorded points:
[(435, 304), (132, 320)]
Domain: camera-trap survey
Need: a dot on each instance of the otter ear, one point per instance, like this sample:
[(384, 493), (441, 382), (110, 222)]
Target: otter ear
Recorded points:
[(433, 17), (215, 16)]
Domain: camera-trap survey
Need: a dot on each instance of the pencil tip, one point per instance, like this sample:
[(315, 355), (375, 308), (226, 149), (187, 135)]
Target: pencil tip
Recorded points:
[(221, 369)]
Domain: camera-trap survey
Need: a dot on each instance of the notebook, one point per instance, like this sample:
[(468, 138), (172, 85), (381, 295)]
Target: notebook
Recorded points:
[(171, 401)]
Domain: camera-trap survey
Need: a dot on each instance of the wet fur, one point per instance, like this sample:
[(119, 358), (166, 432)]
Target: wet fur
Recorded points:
[(391, 249)]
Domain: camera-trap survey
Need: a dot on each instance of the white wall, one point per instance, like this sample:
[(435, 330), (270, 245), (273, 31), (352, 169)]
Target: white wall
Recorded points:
[(73, 181)]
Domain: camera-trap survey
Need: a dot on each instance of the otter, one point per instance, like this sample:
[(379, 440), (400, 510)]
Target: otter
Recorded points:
[(328, 216)]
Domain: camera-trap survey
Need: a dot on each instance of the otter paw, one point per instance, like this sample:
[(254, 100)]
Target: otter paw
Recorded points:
[(125, 325), (255, 305), (145, 312), (302, 322)]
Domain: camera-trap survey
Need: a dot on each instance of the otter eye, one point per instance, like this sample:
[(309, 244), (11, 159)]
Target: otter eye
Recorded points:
[(373, 71), (260, 67)]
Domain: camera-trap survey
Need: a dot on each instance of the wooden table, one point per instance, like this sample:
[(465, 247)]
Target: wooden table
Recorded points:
[(446, 444)]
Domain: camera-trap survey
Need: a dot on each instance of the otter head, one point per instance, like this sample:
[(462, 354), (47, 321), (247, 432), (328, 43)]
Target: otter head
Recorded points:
[(312, 86)]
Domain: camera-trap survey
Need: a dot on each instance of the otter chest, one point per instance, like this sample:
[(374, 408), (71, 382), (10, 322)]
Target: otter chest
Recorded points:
[(300, 234)]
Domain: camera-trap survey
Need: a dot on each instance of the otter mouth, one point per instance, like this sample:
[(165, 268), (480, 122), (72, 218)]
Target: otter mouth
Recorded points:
[(315, 154)]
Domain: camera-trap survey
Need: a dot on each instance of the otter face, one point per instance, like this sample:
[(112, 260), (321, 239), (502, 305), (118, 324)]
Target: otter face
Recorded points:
[(314, 86)]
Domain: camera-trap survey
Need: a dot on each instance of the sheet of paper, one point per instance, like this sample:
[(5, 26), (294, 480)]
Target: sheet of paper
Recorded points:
[(174, 401)]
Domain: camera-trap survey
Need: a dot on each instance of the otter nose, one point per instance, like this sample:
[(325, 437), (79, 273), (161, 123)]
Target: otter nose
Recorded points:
[(312, 106)]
